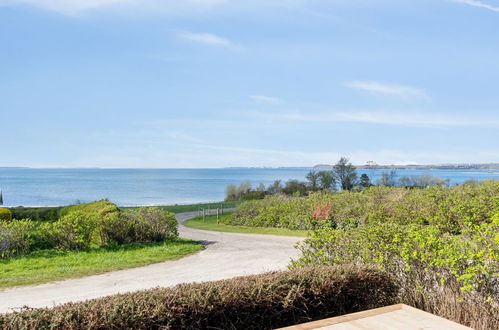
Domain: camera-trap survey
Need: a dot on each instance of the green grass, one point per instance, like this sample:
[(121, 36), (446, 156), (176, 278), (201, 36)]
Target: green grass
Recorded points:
[(210, 223), (51, 265), (180, 208)]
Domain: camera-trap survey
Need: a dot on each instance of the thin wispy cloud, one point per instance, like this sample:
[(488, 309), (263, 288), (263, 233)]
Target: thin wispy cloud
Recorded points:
[(375, 87), (75, 7), (205, 38), (266, 99), (69, 7), (479, 4), (396, 119)]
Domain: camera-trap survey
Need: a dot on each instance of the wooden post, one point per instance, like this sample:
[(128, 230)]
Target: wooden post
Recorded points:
[(217, 215), (204, 213)]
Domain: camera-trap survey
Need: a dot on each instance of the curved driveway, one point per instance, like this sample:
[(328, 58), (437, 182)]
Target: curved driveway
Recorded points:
[(226, 255)]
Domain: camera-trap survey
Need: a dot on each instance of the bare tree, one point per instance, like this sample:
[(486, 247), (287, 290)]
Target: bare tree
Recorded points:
[(388, 179), (275, 188), (346, 173)]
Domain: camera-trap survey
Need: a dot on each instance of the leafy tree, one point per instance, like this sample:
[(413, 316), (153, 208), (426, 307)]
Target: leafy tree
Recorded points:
[(327, 181), (295, 187), (365, 181), (346, 173), (313, 179)]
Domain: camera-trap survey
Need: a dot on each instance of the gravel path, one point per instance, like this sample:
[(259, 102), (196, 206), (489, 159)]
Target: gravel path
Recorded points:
[(226, 255)]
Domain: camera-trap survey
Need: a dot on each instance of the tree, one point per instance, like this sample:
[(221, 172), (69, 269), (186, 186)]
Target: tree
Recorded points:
[(346, 174), (295, 187), (231, 193), (388, 179), (365, 181), (313, 179), (244, 188), (261, 187), (327, 181), (275, 188)]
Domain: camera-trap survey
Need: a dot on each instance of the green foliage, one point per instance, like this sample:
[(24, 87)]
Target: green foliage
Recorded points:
[(443, 244), (99, 209), (365, 181), (264, 301), (139, 225), (15, 237), (452, 210), (36, 213), (5, 215), (346, 174), (73, 231), (95, 224)]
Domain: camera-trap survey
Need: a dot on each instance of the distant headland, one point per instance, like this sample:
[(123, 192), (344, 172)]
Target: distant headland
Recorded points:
[(371, 165)]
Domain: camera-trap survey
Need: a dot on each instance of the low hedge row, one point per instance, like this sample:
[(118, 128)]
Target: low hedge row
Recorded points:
[(254, 302), (36, 213)]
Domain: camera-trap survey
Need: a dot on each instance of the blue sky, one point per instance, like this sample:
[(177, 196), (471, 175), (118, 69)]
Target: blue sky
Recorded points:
[(215, 83)]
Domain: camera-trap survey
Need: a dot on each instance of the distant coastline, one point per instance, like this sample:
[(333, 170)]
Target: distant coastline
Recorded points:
[(482, 167)]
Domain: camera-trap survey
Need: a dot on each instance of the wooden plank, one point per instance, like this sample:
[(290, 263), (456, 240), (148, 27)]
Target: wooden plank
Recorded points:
[(398, 316)]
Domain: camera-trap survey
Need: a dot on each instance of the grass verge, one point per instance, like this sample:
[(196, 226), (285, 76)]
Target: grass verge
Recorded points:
[(210, 223), (196, 207), (52, 265)]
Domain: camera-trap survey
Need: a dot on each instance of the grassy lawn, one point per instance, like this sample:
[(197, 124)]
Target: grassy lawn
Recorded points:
[(51, 265), (196, 207), (210, 223)]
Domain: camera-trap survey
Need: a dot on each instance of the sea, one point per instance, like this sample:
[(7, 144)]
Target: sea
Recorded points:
[(144, 187)]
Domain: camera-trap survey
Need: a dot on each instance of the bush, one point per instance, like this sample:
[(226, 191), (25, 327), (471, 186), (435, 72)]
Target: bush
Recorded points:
[(15, 237), (73, 231), (5, 215), (99, 209), (36, 213), (253, 302), (452, 210), (454, 276), (139, 225)]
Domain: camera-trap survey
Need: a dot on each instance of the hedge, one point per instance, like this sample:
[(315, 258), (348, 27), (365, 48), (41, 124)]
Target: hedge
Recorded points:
[(453, 210), (36, 213), (454, 276), (253, 302), (5, 215)]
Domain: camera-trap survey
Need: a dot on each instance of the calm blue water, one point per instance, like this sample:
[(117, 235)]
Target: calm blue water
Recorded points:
[(131, 187)]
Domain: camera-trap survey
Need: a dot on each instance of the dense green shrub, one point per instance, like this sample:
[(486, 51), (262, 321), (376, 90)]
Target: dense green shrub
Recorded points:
[(36, 213), (5, 215), (139, 225), (15, 237), (73, 231), (99, 209), (450, 209), (441, 243), (254, 302), (93, 224), (439, 272)]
